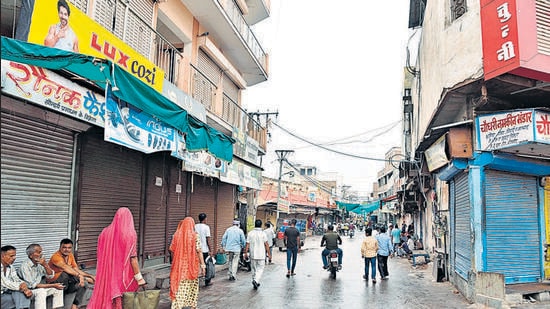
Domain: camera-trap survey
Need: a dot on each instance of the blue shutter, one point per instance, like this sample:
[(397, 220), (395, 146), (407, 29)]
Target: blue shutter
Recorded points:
[(460, 203), (511, 219)]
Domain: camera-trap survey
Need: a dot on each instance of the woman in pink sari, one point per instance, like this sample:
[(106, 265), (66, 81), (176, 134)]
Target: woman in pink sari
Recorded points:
[(117, 264)]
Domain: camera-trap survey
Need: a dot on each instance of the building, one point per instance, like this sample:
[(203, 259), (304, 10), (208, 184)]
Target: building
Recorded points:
[(147, 115), (480, 141)]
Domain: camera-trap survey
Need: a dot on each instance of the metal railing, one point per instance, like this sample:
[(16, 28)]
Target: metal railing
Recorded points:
[(236, 17)]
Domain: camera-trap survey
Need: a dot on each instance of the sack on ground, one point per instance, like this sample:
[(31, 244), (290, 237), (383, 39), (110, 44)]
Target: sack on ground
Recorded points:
[(210, 268), (145, 299)]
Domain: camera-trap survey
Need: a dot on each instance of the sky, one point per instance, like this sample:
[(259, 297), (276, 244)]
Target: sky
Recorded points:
[(335, 79)]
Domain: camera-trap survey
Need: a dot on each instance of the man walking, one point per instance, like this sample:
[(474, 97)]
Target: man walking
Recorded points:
[(270, 234), (396, 238), (292, 242), (233, 241), (257, 245), (385, 248), (204, 234)]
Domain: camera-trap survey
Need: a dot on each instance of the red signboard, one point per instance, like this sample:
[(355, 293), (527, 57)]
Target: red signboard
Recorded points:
[(509, 37)]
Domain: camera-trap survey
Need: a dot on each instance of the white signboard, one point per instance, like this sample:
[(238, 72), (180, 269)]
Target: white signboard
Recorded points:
[(511, 128)]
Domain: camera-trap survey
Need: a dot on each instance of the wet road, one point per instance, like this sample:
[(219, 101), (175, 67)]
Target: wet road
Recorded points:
[(312, 288)]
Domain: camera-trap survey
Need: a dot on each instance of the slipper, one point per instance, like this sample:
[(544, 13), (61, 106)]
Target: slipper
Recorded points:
[(293, 274), (288, 275)]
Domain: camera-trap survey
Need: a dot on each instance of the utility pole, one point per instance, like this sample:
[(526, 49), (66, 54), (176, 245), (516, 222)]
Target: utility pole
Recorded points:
[(281, 156)]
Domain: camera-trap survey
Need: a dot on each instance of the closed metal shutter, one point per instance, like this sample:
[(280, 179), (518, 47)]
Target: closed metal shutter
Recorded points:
[(225, 211), (156, 205), (460, 201), (209, 68), (512, 227), (37, 160), (203, 199), (230, 88), (177, 202), (81, 5), (110, 178)]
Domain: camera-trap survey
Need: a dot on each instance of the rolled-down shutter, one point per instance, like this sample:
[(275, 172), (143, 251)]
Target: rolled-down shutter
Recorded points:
[(110, 178), (512, 229), (225, 211), (460, 200), (37, 161)]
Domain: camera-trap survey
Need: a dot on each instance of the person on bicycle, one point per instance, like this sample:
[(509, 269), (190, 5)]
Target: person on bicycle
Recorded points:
[(331, 239)]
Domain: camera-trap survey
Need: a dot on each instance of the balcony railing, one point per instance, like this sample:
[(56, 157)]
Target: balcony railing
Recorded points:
[(236, 17), (204, 91)]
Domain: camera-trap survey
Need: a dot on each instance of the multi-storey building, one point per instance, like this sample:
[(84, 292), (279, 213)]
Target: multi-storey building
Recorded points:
[(480, 140), (146, 115)]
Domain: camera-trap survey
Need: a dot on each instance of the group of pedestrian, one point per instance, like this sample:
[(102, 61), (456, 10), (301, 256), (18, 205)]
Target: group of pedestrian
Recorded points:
[(37, 279), (375, 251)]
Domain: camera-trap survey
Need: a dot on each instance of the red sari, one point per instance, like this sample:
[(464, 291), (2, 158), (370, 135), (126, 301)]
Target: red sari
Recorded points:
[(116, 245)]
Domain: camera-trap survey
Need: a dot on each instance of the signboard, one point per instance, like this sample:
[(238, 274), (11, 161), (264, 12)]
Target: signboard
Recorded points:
[(436, 156), (203, 163), (48, 89), (512, 34), (240, 173), (512, 128), (283, 206), (86, 36)]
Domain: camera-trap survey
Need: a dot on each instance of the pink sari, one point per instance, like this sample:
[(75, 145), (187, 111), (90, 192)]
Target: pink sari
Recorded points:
[(114, 275)]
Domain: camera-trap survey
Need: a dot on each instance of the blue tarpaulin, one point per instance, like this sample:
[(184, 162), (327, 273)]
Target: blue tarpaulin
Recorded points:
[(359, 208)]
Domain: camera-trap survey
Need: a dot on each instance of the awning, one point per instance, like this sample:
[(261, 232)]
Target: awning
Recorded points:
[(199, 136), (357, 208)]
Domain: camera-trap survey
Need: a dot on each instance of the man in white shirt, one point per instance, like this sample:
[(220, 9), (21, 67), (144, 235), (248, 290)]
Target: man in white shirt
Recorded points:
[(270, 234), (204, 234), (257, 243), (34, 271)]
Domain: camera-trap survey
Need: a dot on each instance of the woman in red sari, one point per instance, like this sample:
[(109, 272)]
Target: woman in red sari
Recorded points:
[(117, 264), (186, 260)]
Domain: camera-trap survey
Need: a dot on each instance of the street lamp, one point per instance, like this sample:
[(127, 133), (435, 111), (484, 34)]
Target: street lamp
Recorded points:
[(281, 156)]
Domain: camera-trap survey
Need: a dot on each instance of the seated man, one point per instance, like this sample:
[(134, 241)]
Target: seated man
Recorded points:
[(68, 273), (332, 240), (15, 292), (34, 271)]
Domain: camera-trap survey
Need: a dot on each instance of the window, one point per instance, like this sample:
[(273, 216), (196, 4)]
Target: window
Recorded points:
[(458, 8)]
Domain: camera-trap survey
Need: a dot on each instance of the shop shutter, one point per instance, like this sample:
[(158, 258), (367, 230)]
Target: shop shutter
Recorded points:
[(155, 206), (512, 227), (203, 199), (37, 160), (225, 211), (460, 201), (177, 202), (110, 178)]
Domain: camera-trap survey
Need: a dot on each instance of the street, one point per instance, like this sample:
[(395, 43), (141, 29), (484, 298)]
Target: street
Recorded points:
[(311, 287)]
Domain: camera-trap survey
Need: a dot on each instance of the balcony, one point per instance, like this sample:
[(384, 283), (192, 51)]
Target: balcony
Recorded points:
[(226, 25), (205, 91), (258, 10)]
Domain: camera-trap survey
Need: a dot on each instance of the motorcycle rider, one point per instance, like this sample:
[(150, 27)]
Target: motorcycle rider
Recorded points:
[(332, 239)]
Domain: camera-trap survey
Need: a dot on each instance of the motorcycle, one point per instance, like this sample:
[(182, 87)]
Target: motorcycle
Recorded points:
[(244, 262), (333, 265), (351, 233)]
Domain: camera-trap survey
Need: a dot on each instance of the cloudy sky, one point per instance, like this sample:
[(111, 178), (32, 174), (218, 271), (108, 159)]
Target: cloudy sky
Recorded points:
[(336, 79)]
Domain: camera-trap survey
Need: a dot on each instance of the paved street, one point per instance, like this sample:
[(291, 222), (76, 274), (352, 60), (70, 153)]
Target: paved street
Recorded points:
[(312, 288)]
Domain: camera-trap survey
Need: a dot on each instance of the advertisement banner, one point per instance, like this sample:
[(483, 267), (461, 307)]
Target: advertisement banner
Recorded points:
[(203, 163), (239, 173), (48, 89), (136, 130), (65, 27), (283, 206)]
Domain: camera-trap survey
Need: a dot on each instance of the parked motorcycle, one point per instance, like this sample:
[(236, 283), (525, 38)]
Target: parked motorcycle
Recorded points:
[(333, 265), (244, 263)]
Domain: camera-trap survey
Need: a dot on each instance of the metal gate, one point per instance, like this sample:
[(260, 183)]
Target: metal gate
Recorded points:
[(460, 205), (37, 160), (512, 220), (110, 177)]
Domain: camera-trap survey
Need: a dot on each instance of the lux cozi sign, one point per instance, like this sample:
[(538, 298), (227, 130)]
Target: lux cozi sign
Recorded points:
[(91, 39), (511, 39)]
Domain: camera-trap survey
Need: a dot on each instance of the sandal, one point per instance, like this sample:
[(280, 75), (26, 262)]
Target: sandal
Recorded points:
[(293, 274), (288, 275)]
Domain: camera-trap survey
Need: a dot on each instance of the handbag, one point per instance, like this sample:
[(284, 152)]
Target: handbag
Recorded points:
[(146, 299), (221, 258), (210, 269)]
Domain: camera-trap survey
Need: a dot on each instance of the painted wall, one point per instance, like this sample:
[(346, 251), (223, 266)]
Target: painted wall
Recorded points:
[(449, 54), (547, 226)]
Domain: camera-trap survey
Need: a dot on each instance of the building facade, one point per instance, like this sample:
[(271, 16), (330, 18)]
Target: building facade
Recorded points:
[(144, 112), (480, 139)]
